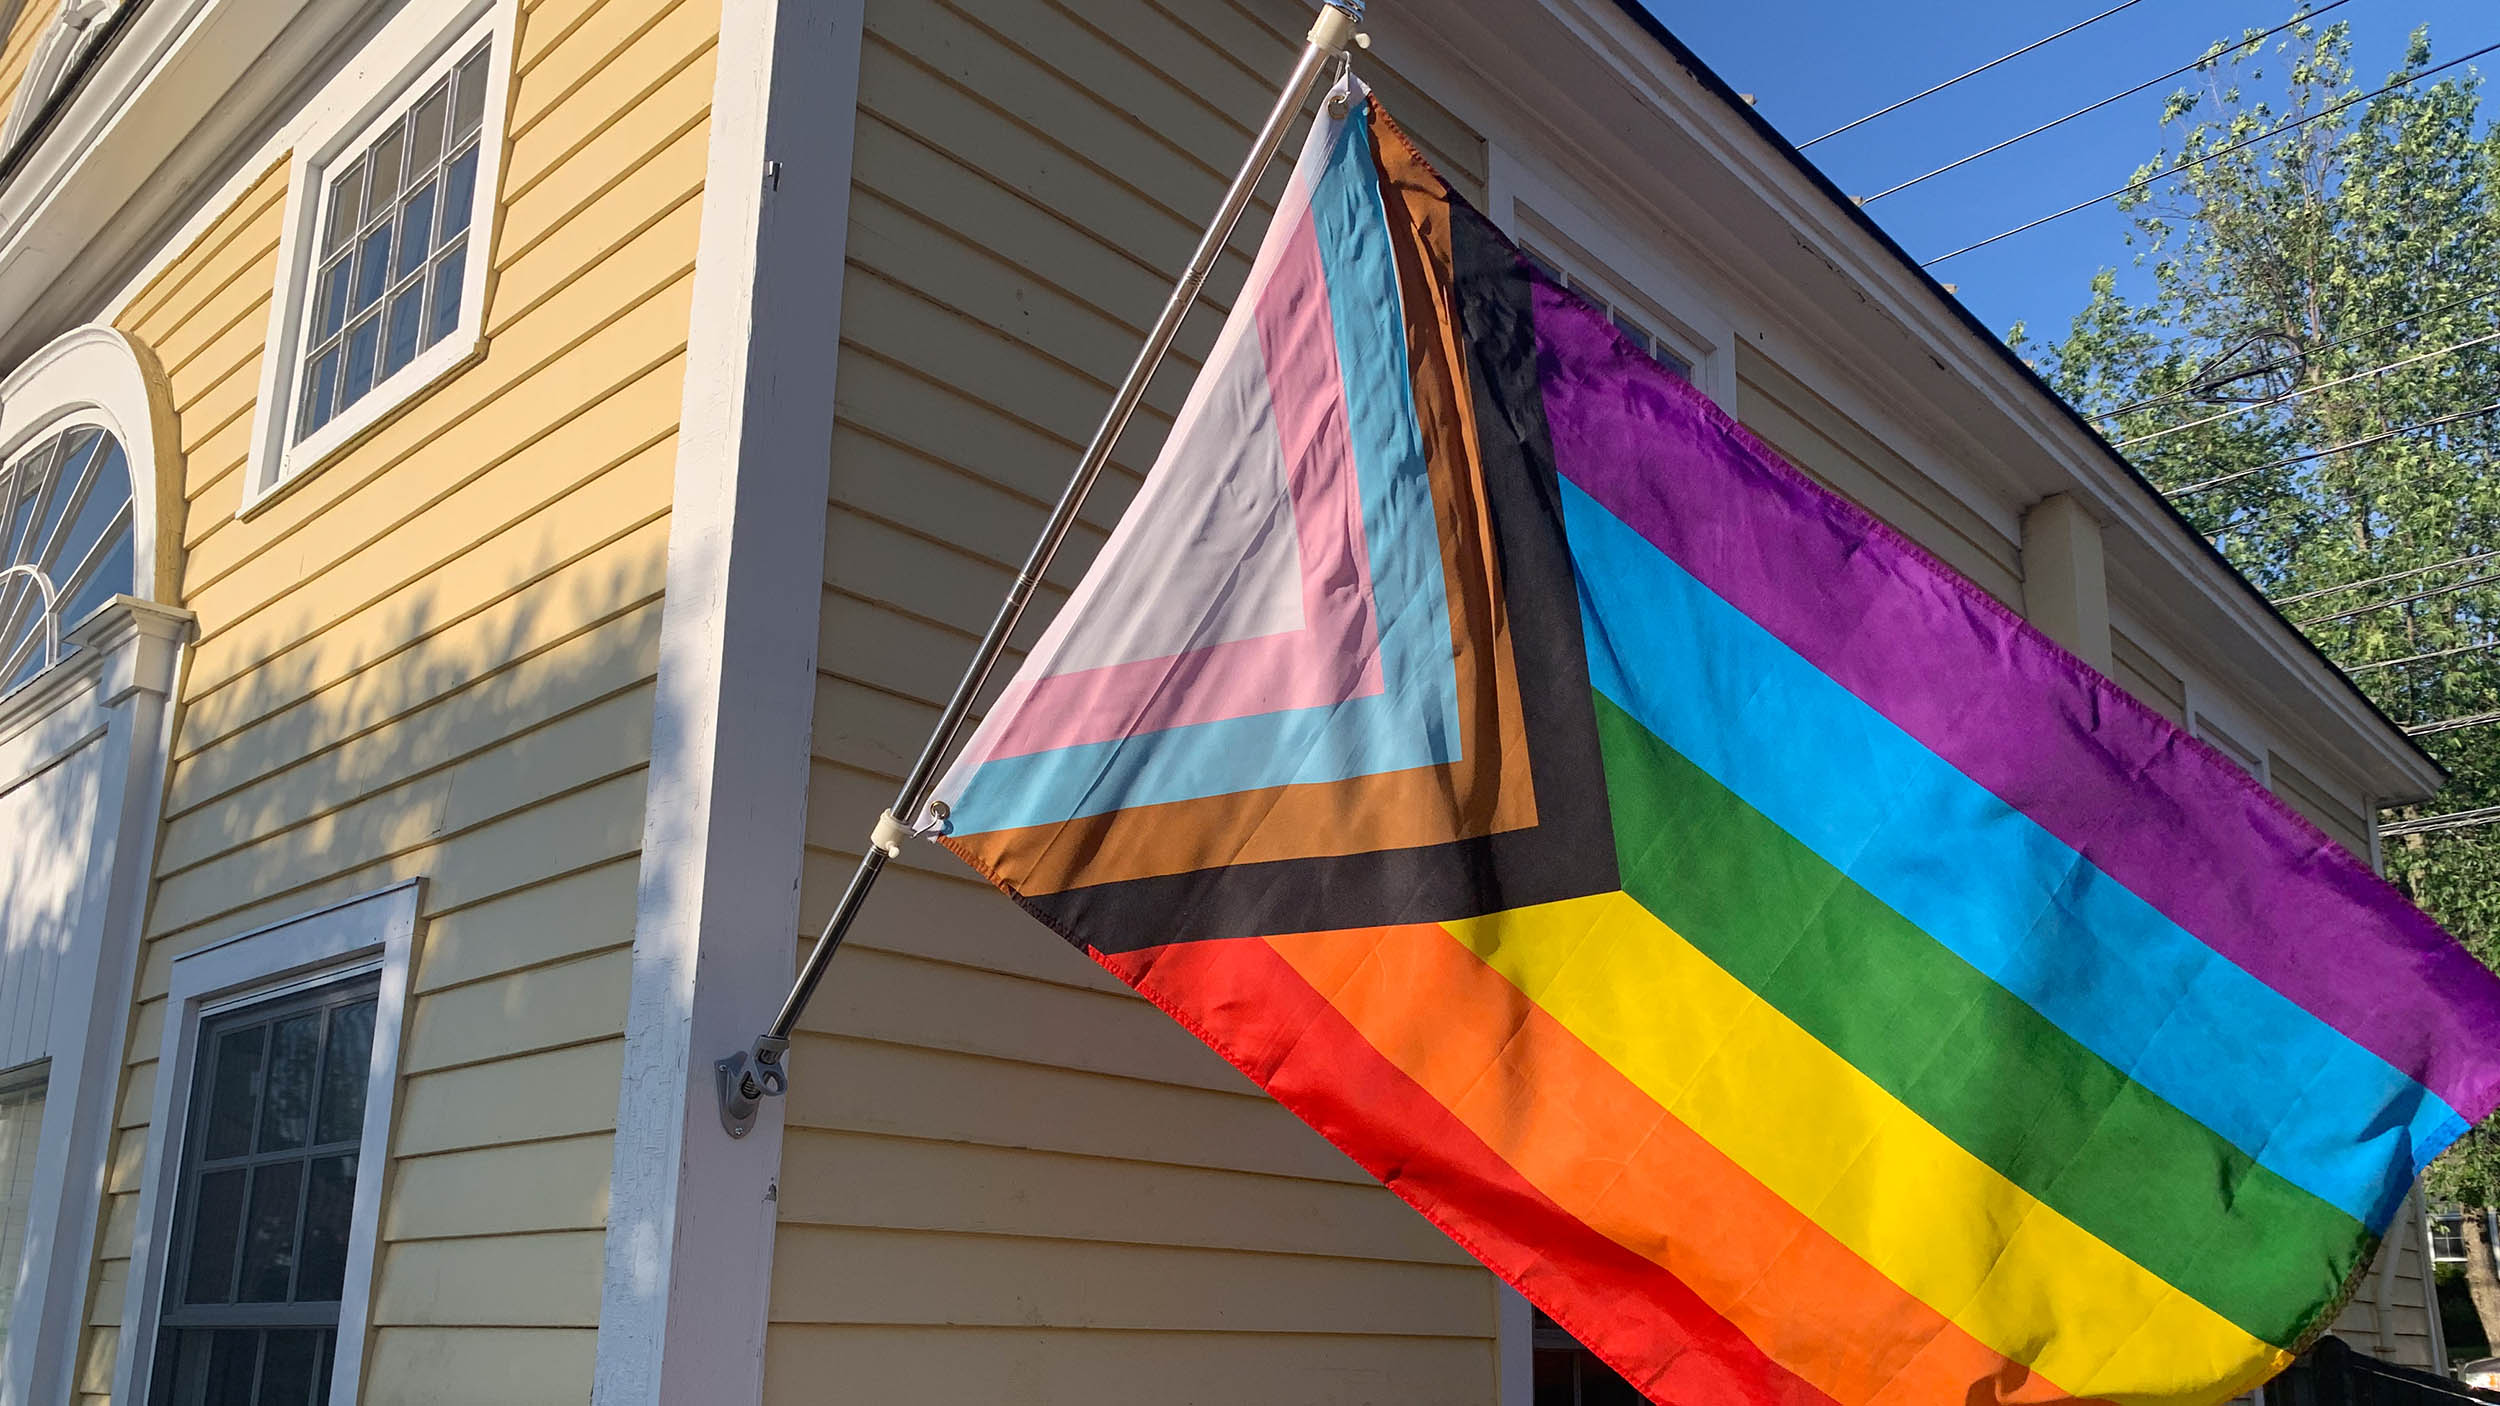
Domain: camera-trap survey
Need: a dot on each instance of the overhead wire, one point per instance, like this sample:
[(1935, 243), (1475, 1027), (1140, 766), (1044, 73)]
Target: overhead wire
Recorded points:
[(2449, 653), (2388, 579), (2433, 824), (2433, 729), (2275, 131), (2360, 610), (2297, 392), (2207, 382), (2204, 485), (1974, 73), (2301, 18)]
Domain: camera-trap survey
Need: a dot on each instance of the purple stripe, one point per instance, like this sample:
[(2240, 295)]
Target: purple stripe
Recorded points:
[(2154, 808)]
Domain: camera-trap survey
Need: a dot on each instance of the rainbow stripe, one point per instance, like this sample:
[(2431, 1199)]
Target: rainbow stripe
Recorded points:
[(1794, 973)]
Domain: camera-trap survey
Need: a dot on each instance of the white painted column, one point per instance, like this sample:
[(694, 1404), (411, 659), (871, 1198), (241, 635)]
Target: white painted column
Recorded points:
[(691, 1212), (2065, 583)]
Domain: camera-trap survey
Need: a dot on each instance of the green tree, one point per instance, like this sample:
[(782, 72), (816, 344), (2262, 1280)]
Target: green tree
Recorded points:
[(2296, 243)]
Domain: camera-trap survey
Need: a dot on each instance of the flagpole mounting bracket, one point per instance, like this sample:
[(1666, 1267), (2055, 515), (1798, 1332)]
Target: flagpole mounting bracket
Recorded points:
[(745, 1080)]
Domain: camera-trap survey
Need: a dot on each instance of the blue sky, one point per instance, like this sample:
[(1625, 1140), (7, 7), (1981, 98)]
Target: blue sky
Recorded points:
[(1815, 64)]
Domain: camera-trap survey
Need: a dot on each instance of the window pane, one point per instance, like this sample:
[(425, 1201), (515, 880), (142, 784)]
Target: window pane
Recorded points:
[(330, 300), (416, 232), (269, 1234), (363, 341), (459, 192), (320, 391), (327, 1204), (425, 130), (288, 1365), (216, 1227), (236, 1095), (232, 1357), (343, 1078), (470, 107), (21, 1124), (286, 1097), (399, 347), (346, 206), (448, 273), (384, 159), (373, 268)]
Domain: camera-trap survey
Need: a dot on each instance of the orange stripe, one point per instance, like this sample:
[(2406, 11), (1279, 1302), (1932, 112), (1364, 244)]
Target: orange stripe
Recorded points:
[(1585, 1136)]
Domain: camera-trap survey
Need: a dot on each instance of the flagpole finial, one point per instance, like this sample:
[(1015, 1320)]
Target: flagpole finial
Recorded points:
[(1334, 29)]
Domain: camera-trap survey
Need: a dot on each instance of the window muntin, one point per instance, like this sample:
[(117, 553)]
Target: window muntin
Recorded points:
[(264, 1201), (1652, 345), (21, 1129), (392, 256), (65, 509)]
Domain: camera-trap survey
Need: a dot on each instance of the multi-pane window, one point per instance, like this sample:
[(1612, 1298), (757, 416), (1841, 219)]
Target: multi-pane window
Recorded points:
[(393, 245), (65, 511), (21, 1126), (1651, 344), (267, 1188)]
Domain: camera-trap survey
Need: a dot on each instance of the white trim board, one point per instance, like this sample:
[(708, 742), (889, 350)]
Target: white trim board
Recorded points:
[(691, 1218), (372, 933)]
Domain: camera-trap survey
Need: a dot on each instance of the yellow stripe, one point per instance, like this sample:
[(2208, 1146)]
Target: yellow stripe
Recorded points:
[(1937, 1221)]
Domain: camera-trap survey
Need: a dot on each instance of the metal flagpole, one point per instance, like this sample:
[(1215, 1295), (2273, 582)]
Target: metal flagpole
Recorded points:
[(745, 1079)]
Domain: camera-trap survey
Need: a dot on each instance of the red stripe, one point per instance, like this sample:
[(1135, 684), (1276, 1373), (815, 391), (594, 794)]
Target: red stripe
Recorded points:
[(1242, 998)]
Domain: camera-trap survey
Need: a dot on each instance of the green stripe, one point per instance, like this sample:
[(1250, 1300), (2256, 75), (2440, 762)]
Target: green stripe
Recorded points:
[(1983, 1068)]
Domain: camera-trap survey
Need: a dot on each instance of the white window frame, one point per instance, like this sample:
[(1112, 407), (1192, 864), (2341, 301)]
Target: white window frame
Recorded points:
[(374, 933), (407, 55), (1565, 228)]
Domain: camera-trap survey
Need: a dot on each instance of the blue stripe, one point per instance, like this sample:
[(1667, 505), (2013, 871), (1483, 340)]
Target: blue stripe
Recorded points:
[(1413, 721), (1991, 885)]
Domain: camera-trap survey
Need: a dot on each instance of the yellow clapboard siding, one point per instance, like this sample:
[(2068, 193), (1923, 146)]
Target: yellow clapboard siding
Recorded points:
[(590, 666), (1835, 449), (967, 1098), (535, 1186), (538, 1009), (547, 922), (842, 1275), (681, 42), (939, 1005), (1116, 1368), (479, 1366), (947, 427), (542, 201), (508, 525), (488, 1105), (618, 578), (548, 75), (2144, 676), (874, 561), (627, 198), (26, 25), (943, 1186), (167, 299), (514, 1281), (957, 920)]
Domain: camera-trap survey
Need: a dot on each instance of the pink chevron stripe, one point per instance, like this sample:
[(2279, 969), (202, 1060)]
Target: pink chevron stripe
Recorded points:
[(1335, 656)]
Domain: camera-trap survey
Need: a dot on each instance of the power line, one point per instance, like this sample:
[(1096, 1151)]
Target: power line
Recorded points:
[(2400, 600), (2274, 131), (2362, 443), (1983, 68), (2298, 391), (2282, 361), (2384, 580), (2420, 658), (2302, 18), (2432, 824), (2452, 725)]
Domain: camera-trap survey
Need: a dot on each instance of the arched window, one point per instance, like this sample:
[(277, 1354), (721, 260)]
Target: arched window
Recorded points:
[(66, 504), (77, 505)]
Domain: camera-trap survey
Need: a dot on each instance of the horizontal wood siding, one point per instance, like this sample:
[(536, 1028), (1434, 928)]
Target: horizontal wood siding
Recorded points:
[(2144, 676), (2347, 824), (2390, 1314), (1850, 460), (1005, 1176), (434, 657), (28, 20)]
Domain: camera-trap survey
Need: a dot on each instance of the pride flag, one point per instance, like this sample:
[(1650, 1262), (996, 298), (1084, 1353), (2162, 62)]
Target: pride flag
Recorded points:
[(1798, 976)]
